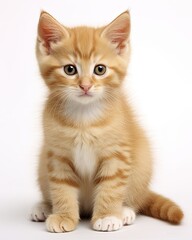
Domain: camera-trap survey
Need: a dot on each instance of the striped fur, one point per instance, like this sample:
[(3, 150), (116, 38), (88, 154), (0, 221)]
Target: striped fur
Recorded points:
[(95, 159), (162, 208)]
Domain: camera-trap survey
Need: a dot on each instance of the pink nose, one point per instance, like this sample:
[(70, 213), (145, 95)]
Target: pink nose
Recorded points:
[(85, 88)]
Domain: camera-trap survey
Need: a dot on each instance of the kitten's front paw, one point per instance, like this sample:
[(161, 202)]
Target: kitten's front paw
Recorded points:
[(128, 216), (58, 223), (40, 212), (108, 224)]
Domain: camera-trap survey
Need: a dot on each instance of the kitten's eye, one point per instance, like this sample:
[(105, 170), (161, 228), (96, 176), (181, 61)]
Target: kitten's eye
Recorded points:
[(100, 70), (70, 69)]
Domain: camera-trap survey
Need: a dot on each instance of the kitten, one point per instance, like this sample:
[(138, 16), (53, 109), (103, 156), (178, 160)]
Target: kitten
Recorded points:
[(95, 160)]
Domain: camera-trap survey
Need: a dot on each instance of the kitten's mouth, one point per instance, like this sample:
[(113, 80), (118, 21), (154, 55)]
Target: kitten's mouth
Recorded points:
[(86, 94)]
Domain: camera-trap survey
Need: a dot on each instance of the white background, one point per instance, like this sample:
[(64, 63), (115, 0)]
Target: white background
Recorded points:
[(159, 86)]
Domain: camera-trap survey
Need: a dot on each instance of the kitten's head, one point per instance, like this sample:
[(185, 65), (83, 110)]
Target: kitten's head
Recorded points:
[(83, 64)]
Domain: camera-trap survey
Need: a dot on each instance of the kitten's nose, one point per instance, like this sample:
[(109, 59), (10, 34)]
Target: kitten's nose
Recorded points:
[(85, 87)]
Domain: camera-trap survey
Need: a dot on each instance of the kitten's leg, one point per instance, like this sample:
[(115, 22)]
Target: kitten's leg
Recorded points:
[(64, 196), (40, 212), (109, 194)]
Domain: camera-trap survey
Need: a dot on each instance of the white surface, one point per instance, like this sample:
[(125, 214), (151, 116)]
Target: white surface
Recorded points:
[(160, 85)]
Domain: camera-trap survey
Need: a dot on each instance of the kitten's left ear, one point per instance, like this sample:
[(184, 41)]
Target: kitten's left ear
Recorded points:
[(117, 32)]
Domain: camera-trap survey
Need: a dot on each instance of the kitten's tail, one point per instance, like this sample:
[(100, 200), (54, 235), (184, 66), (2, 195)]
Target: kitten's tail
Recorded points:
[(162, 208)]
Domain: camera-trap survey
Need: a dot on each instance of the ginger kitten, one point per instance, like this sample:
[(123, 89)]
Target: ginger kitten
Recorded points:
[(95, 160)]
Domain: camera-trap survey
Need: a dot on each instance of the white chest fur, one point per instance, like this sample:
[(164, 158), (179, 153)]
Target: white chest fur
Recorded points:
[(84, 158)]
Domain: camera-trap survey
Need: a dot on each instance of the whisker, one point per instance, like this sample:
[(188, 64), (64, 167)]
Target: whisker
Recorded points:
[(59, 97)]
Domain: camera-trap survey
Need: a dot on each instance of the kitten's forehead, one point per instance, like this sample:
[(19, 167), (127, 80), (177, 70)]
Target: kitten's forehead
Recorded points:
[(84, 41)]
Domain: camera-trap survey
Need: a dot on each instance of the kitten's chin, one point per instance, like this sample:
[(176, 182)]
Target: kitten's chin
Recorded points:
[(85, 99), (84, 110)]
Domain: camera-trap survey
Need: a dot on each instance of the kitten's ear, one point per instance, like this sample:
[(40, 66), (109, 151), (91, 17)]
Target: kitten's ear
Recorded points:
[(117, 32), (50, 31)]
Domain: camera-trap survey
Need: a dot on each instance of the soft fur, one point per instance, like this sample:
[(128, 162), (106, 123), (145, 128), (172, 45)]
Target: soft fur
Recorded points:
[(95, 160)]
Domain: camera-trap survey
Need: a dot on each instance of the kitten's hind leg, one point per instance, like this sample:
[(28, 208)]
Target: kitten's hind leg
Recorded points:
[(128, 216), (40, 212)]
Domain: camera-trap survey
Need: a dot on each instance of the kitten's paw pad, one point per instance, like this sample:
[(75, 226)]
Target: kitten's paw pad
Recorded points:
[(58, 223), (40, 212), (108, 224), (128, 216)]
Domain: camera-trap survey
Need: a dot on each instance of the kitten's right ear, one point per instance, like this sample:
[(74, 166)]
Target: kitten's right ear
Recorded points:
[(50, 31)]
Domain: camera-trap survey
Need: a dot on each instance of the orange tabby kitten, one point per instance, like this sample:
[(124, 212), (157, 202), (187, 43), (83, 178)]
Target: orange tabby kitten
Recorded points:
[(95, 160)]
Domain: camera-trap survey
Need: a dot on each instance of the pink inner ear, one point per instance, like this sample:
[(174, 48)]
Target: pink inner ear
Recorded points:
[(119, 36), (49, 30), (49, 34), (117, 32)]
